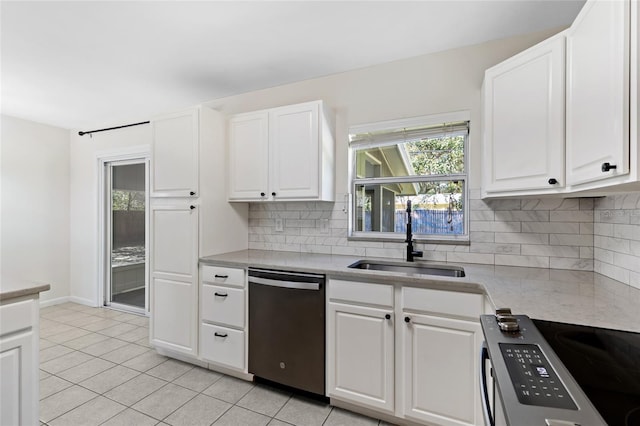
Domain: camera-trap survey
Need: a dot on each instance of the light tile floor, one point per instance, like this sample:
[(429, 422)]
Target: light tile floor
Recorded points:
[(97, 368)]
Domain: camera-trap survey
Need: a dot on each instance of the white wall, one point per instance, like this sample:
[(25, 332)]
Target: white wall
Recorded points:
[(83, 211), (429, 84), (34, 226)]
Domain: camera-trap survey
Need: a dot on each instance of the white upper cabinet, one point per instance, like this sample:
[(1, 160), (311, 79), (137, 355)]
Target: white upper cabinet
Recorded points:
[(524, 120), (249, 156), (284, 153), (294, 153), (598, 92), (174, 155), (600, 113)]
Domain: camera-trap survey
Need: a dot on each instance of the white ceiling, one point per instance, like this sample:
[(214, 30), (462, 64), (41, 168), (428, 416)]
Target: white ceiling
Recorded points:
[(84, 65)]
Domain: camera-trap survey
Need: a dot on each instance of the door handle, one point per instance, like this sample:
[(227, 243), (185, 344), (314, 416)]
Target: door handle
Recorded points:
[(285, 284), (486, 407)]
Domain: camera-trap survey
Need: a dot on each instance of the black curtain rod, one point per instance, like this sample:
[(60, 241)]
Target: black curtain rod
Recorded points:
[(112, 128)]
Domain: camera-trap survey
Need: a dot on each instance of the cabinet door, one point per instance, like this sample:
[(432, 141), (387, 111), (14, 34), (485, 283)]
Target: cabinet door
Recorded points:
[(598, 92), (174, 155), (18, 379), (294, 151), (524, 120), (174, 277), (360, 355), (249, 156), (441, 382)]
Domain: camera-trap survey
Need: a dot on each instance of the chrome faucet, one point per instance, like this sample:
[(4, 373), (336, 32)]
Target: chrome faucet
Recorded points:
[(411, 253)]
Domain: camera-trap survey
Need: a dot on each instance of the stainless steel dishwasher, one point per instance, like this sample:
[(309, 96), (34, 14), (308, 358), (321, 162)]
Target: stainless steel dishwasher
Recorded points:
[(287, 328)]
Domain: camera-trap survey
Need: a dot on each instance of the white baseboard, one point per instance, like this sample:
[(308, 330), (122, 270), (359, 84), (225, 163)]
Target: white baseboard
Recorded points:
[(83, 301), (51, 302), (65, 299)]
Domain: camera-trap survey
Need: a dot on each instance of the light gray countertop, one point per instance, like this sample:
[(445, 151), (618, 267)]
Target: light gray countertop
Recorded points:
[(576, 297), (11, 289)]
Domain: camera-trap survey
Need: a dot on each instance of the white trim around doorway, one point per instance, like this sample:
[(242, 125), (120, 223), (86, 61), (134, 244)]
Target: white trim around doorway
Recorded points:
[(141, 153)]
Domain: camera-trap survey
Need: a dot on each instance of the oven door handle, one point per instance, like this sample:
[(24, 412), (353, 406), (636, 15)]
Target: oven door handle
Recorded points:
[(486, 406), (286, 284)]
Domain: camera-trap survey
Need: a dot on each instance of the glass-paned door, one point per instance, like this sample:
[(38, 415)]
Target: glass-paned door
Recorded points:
[(126, 236)]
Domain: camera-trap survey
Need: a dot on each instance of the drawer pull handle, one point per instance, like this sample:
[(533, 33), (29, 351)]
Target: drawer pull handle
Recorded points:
[(221, 294), (221, 276), (220, 334)]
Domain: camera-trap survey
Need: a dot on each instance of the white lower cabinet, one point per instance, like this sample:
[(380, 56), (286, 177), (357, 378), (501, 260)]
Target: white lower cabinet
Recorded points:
[(174, 276), (222, 345), (19, 380), (361, 360), (405, 351), (440, 369), (223, 315)]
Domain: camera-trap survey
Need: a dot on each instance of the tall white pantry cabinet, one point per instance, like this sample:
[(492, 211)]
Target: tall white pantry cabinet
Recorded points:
[(190, 218)]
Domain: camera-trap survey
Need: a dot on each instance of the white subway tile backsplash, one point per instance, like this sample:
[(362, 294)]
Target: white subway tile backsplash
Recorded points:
[(611, 271), (616, 241), (586, 253), (551, 204), (470, 257), (571, 216), (495, 248), (348, 251), (551, 251), (482, 237), (482, 215), (586, 228), (495, 226), (551, 228), (522, 216), (521, 238), (601, 234), (570, 240), (527, 261), (570, 263)]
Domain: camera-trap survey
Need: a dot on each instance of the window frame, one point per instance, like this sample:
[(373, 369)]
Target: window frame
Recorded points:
[(431, 120)]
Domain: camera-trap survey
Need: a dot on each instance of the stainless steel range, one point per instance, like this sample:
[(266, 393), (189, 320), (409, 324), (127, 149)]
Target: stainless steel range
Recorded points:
[(556, 374)]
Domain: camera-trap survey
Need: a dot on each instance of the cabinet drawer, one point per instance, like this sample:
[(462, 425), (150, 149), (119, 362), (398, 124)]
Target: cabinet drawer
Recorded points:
[(221, 275), (359, 292), (223, 305), (222, 345), (448, 303), (18, 316)]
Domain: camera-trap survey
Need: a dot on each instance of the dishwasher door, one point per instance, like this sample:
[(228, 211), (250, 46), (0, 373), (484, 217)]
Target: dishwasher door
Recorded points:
[(287, 328)]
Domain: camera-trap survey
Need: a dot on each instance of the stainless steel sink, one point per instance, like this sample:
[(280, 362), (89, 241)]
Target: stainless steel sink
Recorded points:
[(410, 268)]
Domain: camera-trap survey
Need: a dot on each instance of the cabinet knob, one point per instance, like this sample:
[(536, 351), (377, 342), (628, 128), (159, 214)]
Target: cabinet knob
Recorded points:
[(273, 194), (553, 181), (407, 320), (192, 207), (192, 193), (607, 166), (387, 316), (262, 194)]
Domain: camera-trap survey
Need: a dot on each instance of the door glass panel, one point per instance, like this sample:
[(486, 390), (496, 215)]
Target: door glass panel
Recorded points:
[(128, 235)]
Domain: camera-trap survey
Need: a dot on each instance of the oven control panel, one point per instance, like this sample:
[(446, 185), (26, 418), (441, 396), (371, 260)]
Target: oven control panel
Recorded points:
[(534, 380)]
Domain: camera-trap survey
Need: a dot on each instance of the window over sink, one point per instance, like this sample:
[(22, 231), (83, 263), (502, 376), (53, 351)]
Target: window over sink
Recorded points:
[(422, 160)]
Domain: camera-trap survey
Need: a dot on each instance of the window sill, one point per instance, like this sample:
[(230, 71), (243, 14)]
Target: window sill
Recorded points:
[(462, 240)]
